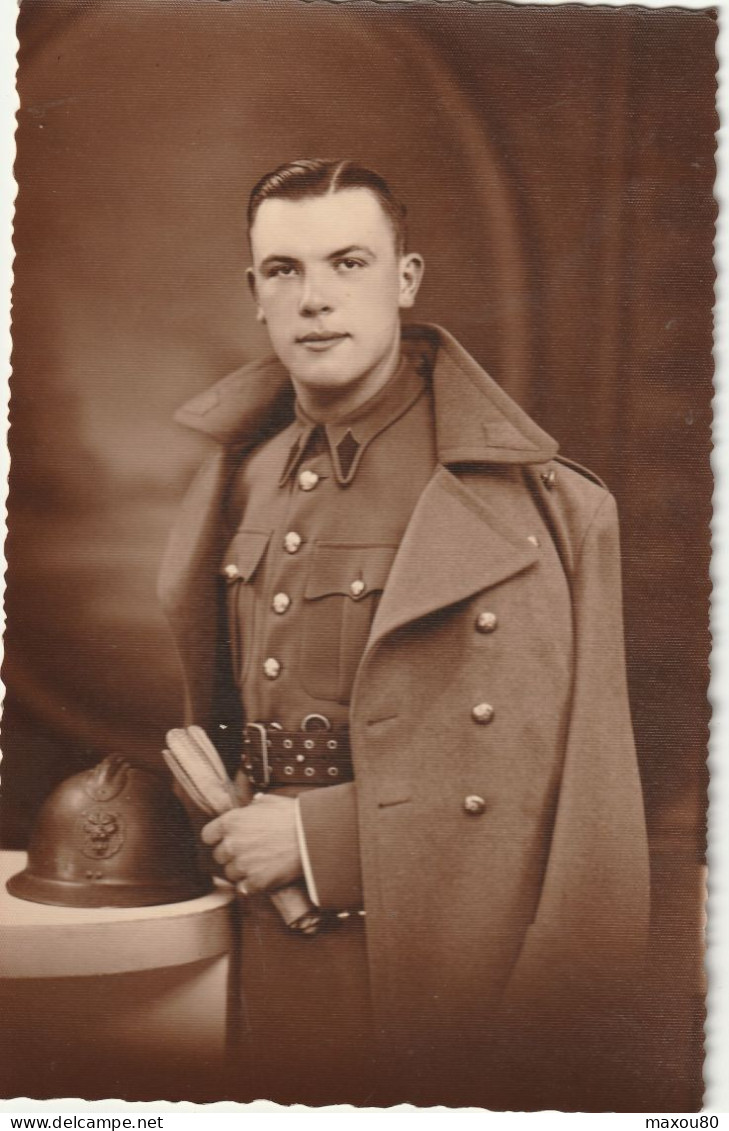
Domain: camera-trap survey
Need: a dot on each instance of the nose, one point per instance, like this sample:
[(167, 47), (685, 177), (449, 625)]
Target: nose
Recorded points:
[(312, 300)]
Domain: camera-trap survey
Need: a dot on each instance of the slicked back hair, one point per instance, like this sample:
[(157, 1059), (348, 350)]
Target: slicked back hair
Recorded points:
[(316, 177)]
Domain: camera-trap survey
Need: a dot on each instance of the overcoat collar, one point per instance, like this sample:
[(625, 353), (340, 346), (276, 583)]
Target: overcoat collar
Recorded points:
[(476, 422)]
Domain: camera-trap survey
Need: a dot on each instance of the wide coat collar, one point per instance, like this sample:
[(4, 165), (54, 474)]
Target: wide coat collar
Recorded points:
[(476, 422)]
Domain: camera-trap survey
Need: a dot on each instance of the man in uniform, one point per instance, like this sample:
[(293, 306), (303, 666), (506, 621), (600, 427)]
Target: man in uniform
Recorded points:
[(404, 609)]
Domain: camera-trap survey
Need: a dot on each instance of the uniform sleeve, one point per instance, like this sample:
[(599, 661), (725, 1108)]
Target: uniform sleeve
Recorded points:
[(329, 827), (583, 953)]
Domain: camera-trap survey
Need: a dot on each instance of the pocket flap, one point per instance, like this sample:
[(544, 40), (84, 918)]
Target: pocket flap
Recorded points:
[(349, 569), (243, 554)]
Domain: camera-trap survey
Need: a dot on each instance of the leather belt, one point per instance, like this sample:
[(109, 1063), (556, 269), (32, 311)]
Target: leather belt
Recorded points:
[(275, 757)]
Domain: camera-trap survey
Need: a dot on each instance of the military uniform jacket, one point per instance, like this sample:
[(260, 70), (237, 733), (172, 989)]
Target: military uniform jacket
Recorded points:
[(501, 827)]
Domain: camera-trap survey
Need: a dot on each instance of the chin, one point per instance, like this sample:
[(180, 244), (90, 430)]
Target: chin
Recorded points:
[(321, 377)]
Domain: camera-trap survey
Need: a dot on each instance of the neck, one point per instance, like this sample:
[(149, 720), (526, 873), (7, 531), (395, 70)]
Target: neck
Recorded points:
[(327, 405)]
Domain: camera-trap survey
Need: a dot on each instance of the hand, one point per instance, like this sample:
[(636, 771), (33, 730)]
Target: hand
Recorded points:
[(257, 846)]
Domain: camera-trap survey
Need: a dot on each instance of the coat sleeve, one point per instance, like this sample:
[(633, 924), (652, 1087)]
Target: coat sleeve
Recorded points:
[(329, 820), (583, 953)]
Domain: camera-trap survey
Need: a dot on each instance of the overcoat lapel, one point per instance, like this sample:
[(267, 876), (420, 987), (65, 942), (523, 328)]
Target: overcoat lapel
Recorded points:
[(454, 546)]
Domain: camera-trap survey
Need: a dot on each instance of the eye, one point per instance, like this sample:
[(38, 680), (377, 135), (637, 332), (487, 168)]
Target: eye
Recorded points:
[(281, 270), (349, 264)]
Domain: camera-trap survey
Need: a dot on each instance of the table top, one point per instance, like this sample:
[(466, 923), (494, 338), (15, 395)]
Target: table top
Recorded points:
[(42, 941)]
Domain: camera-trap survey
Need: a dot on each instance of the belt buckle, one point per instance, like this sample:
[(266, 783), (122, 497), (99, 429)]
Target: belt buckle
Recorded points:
[(261, 729), (321, 722)]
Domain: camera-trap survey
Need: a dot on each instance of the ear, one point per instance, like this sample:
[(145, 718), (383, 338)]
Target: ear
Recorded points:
[(251, 280), (412, 268)]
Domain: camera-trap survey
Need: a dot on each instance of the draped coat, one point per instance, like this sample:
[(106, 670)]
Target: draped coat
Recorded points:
[(503, 852)]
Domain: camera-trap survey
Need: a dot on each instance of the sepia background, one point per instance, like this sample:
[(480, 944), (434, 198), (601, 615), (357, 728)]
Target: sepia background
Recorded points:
[(558, 167)]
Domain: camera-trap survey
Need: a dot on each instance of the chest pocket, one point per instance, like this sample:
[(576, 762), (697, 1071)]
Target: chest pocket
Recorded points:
[(238, 569), (342, 592)]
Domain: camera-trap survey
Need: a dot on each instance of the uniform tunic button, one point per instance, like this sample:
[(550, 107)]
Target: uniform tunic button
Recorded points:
[(308, 480), (483, 713), (357, 587), (281, 602), (486, 622), (231, 571), (474, 804), (271, 668), (292, 541)]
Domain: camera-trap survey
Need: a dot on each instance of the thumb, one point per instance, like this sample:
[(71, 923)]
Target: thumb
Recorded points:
[(213, 832)]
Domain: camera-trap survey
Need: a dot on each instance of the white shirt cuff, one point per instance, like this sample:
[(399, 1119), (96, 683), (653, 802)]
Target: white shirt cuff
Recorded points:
[(305, 861)]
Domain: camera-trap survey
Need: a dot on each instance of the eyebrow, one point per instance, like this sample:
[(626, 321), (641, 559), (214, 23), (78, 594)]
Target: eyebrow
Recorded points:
[(340, 253), (352, 248)]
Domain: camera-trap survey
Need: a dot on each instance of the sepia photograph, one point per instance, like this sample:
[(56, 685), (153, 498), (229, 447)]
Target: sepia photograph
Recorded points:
[(357, 613)]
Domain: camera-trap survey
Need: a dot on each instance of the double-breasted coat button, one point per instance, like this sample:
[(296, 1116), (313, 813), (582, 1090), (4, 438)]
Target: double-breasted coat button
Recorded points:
[(482, 713), (357, 587), (486, 621), (271, 668), (308, 480), (292, 541), (474, 804), (231, 571), (281, 602)]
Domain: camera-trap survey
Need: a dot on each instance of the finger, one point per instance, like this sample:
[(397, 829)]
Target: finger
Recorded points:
[(213, 831), (223, 852), (234, 872)]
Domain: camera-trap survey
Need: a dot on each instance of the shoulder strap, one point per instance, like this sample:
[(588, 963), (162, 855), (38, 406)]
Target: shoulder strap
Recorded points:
[(582, 470)]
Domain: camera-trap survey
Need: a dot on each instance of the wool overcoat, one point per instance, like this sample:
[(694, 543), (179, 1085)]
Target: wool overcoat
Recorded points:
[(500, 816)]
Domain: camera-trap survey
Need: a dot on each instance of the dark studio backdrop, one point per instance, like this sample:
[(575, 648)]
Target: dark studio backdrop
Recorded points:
[(558, 166)]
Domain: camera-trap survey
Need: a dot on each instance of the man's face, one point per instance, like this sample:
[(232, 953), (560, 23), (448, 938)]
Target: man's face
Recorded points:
[(329, 285)]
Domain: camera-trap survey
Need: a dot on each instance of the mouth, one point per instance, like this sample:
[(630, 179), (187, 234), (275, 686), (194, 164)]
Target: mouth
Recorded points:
[(320, 340)]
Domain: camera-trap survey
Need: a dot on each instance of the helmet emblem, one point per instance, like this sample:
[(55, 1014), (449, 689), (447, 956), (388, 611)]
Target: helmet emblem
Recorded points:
[(102, 833)]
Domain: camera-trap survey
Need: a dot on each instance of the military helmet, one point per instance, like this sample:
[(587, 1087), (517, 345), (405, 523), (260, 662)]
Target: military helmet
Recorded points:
[(112, 836)]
